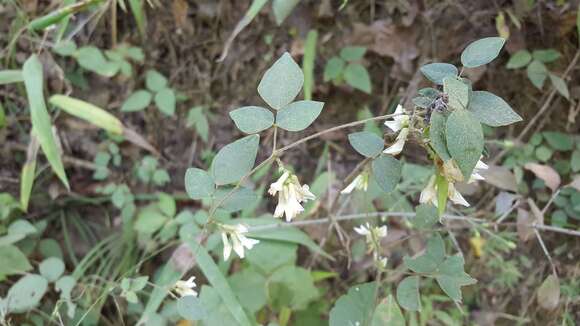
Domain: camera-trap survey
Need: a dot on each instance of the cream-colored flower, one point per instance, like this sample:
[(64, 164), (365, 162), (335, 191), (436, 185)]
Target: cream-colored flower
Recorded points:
[(361, 182), (290, 195), (397, 147), (452, 172), (233, 238), (185, 288), (399, 121), (371, 231), (475, 175), (400, 124), (429, 194)]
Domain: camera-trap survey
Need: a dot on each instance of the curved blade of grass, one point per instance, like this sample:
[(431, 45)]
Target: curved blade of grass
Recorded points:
[(88, 112), (28, 172), (56, 16), (41, 124), (252, 12), (219, 282), (10, 76)]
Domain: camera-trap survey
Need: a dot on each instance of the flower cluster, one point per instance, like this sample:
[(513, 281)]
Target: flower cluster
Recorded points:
[(185, 288), (361, 182), (453, 174), (233, 237), (400, 124), (290, 195), (373, 235)]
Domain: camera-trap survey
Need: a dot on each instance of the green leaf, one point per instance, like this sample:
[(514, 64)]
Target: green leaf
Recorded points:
[(425, 216), (464, 140), (537, 73), (10, 76), (283, 8), (366, 143), (155, 81), (546, 56), (438, 71), (269, 255), (388, 313), (354, 307), (42, 127), (451, 277), (26, 293), (198, 183), (430, 260), (92, 59), (457, 91), (252, 119), (482, 51), (408, 293), (165, 101), (387, 172), (333, 68), (191, 308), (437, 135), (149, 220), (575, 161), (286, 234), (137, 101), (492, 110), (353, 53), (167, 204), (519, 59), (51, 269), (559, 141), (298, 115), (65, 48), (219, 282), (295, 281), (88, 112), (28, 173), (422, 101), (235, 160), (560, 86), (250, 287), (13, 261), (238, 200), (357, 76), (282, 82)]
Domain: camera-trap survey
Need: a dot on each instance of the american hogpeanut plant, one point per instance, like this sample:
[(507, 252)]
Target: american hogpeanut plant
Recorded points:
[(446, 120)]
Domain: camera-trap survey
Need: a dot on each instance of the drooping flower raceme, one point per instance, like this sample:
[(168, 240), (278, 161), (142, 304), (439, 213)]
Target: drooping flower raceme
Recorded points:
[(185, 288), (371, 232), (361, 182), (400, 124), (452, 174), (233, 237), (290, 195)]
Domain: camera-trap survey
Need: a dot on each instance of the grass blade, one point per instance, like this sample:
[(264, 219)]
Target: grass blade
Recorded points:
[(252, 12), (10, 76), (308, 63), (88, 112), (28, 172), (41, 124), (139, 14), (219, 282)]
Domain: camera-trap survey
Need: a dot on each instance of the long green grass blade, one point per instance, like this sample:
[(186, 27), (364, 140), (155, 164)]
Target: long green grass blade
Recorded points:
[(139, 15), (10, 76), (308, 63), (28, 172), (88, 112), (219, 282), (41, 124)]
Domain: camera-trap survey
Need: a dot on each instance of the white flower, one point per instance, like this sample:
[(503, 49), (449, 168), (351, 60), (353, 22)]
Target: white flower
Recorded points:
[(185, 288), (397, 147), (290, 195), (451, 171), (371, 231), (400, 124), (399, 121), (429, 194), (361, 182), (233, 237), (475, 175)]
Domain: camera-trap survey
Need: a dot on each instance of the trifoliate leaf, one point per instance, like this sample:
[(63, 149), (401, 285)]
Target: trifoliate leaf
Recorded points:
[(357, 76), (353, 53), (137, 101), (537, 73), (165, 101), (519, 59), (298, 115), (430, 260), (282, 82)]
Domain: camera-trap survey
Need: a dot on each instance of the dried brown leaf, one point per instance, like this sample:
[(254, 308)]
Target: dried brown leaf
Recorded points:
[(546, 173), (549, 293), (500, 177), (524, 222)]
